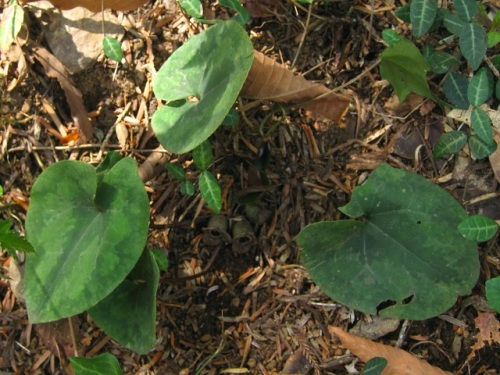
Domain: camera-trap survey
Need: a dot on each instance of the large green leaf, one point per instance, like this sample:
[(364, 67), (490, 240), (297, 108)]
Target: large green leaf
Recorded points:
[(88, 233), (211, 66), (455, 88), (405, 68), (404, 259), (422, 14), (12, 21), (103, 364), (473, 44), (128, 314), (481, 87), (466, 9)]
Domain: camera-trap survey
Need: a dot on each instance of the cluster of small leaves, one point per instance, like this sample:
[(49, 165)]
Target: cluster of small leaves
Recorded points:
[(209, 187), (194, 8), (466, 24)]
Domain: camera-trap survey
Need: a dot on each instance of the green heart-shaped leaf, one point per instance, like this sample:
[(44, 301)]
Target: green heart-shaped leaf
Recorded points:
[(405, 259), (88, 233), (211, 67)]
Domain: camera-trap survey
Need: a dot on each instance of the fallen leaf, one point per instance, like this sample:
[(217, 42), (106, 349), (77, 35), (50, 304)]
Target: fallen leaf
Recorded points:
[(399, 362), (54, 69), (95, 5), (489, 332), (268, 80)]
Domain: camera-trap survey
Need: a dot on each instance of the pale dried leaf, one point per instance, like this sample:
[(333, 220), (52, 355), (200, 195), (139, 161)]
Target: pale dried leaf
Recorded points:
[(463, 115), (399, 362), (121, 131), (489, 331), (268, 80), (95, 5), (54, 69)]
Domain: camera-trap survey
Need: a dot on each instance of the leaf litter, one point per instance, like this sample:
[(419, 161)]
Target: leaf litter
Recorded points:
[(260, 312)]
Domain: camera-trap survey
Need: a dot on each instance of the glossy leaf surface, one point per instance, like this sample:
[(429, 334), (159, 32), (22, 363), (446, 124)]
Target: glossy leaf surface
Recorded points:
[(210, 191), (473, 44)]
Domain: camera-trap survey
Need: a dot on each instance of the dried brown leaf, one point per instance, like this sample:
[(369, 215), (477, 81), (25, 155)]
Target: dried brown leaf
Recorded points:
[(399, 362), (268, 80), (54, 69), (95, 5), (489, 331)]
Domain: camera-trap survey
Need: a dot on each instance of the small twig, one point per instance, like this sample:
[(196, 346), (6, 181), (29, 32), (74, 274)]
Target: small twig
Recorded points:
[(73, 338), (306, 27)]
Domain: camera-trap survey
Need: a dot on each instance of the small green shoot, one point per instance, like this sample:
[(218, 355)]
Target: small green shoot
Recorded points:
[(478, 228), (112, 49), (210, 191), (103, 364)]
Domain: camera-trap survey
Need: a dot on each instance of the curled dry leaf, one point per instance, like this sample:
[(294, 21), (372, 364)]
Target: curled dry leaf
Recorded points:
[(154, 164), (95, 5), (268, 80), (399, 362)]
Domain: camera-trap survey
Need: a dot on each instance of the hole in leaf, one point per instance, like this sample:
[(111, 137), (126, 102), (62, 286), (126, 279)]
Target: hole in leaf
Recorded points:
[(419, 222), (385, 304), (407, 300)]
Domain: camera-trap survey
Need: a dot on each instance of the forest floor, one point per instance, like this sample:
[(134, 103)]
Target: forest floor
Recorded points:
[(258, 312)]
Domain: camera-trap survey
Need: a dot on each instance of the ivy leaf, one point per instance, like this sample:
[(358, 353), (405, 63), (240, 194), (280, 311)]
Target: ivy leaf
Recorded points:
[(176, 171), (466, 9), (112, 48), (422, 15), (478, 228), (405, 68), (455, 89), (473, 44), (210, 191), (481, 87), (480, 148), (493, 293), (481, 123), (440, 62), (449, 143), (453, 23), (391, 36), (243, 16), (187, 188), (202, 155)]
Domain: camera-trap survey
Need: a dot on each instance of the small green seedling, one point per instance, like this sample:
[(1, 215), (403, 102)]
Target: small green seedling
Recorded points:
[(89, 228), (406, 67), (112, 49), (104, 364), (400, 255), (209, 187)]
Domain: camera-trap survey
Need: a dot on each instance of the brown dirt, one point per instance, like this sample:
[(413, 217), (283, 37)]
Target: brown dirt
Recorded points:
[(258, 311)]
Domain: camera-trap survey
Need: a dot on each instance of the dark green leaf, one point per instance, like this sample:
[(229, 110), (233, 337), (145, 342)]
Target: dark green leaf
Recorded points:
[(176, 171), (211, 66), (481, 123), (391, 36), (404, 13), (88, 233), (232, 118), (453, 23), (160, 259), (202, 155), (368, 262), (422, 15), (405, 68), (472, 40), (112, 48), (493, 293), (243, 16), (103, 364), (375, 366), (449, 143), (187, 188), (128, 314), (440, 62), (192, 7), (481, 87), (481, 149), (455, 88), (466, 9), (478, 228), (210, 191)]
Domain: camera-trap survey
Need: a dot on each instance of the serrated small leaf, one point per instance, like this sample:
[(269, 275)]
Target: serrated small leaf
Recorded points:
[(112, 48), (481, 149), (466, 9), (192, 7), (187, 188), (473, 44), (449, 143), (12, 21), (478, 228), (391, 36), (481, 123), (404, 13), (481, 87), (493, 38), (176, 171), (493, 293), (422, 15), (455, 88), (453, 23), (202, 155), (210, 191)]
